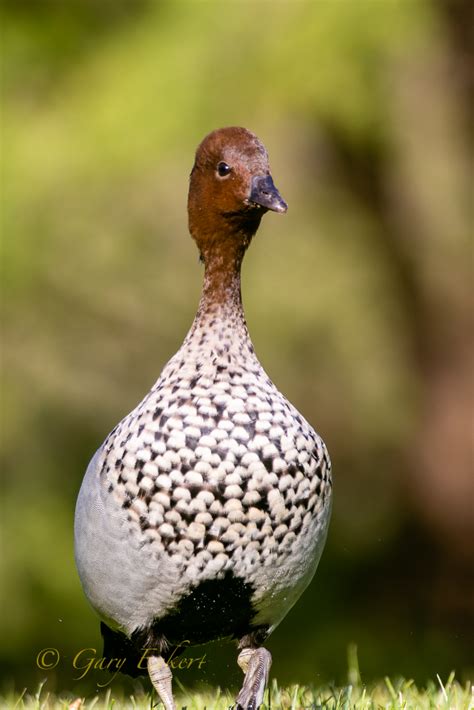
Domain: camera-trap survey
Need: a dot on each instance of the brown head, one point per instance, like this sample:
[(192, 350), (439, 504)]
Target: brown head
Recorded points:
[(230, 189)]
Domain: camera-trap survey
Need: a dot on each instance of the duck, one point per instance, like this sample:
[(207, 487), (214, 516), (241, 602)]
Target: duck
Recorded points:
[(204, 513)]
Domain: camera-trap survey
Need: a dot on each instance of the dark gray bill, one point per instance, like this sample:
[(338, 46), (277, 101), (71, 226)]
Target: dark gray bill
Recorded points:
[(264, 193)]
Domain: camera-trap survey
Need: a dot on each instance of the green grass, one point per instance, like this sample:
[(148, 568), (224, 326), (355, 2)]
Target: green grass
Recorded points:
[(387, 694)]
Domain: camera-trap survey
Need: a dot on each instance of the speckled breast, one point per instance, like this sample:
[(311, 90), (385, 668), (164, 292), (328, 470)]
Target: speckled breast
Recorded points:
[(219, 472)]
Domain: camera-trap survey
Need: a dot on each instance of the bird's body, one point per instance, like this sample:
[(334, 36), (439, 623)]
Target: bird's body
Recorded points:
[(204, 513)]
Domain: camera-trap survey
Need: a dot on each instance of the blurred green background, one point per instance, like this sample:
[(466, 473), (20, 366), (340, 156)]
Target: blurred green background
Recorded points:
[(357, 300)]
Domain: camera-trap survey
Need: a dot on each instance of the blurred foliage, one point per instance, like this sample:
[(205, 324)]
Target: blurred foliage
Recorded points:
[(357, 300)]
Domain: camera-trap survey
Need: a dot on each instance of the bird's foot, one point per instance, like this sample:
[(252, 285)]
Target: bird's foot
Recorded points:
[(161, 677), (255, 663)]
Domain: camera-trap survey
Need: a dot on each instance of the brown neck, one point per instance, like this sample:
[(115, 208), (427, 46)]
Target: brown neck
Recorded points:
[(221, 287), (220, 321), (222, 240)]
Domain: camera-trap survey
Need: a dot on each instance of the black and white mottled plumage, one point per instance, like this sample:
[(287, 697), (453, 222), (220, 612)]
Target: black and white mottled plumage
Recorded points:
[(204, 513)]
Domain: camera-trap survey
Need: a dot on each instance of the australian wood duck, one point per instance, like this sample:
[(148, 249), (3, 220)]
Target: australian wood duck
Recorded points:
[(204, 513)]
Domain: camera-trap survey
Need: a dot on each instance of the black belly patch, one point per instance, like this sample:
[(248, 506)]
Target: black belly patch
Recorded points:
[(215, 609)]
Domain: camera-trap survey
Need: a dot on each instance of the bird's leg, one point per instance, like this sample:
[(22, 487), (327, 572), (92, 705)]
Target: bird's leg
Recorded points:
[(255, 663), (161, 677)]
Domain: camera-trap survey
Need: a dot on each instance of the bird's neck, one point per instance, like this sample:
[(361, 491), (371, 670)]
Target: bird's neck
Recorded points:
[(220, 319), (221, 290)]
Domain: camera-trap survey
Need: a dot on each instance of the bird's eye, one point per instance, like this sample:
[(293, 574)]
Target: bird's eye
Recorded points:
[(223, 169)]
